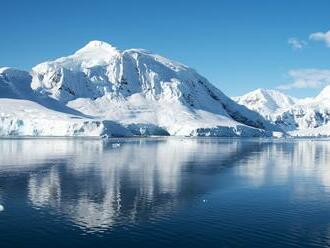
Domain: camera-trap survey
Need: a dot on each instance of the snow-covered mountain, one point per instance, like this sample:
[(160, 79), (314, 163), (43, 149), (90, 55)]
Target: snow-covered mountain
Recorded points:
[(24, 112), (266, 102), (101, 90), (297, 117), (309, 117)]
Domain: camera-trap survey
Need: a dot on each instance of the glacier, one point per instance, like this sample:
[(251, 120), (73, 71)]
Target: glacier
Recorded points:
[(102, 91)]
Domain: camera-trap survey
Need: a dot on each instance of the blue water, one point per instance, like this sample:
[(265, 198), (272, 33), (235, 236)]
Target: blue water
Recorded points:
[(167, 192)]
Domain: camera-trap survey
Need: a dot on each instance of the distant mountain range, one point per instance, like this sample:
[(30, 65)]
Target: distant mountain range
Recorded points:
[(101, 91), (296, 117)]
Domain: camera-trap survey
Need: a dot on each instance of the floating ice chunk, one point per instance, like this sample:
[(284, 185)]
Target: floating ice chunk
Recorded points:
[(105, 136), (1, 208), (115, 145)]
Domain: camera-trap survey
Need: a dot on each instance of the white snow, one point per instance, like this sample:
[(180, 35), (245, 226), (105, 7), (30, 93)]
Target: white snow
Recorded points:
[(100, 90), (307, 117), (27, 118), (266, 102)]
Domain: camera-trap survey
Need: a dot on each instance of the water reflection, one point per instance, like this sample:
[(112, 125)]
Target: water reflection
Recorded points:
[(97, 186), (45, 189), (283, 162)]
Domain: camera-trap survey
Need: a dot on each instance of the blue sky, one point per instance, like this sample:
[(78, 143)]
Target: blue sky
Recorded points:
[(238, 45)]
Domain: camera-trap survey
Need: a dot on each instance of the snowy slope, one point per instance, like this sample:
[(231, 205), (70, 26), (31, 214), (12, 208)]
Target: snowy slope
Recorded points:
[(266, 102), (137, 88), (309, 117), (297, 117), (25, 113), (142, 93)]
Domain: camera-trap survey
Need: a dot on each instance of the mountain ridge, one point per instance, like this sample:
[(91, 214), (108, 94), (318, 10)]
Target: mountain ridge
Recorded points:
[(141, 92), (306, 117)]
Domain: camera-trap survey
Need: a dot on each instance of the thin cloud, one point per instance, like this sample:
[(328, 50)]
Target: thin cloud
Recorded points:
[(320, 36), (296, 43), (307, 78)]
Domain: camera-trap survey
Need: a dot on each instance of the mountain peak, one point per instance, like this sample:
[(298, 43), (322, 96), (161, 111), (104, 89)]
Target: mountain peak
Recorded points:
[(267, 91), (324, 94), (97, 45), (266, 101)]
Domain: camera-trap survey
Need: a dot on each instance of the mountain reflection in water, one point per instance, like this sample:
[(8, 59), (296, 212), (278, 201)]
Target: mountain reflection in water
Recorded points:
[(96, 188)]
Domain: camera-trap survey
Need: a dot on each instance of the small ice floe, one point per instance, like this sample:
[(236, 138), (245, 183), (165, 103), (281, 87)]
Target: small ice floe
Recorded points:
[(2, 208), (105, 137), (115, 145), (204, 200)]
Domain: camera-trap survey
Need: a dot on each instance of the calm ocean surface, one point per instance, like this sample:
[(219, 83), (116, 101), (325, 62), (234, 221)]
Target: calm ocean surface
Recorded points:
[(166, 192)]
